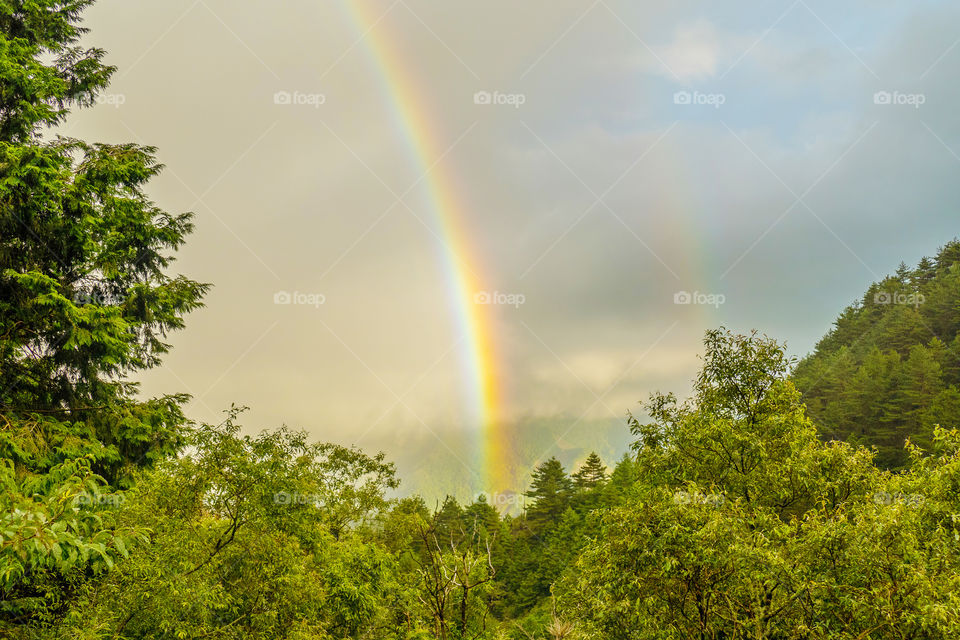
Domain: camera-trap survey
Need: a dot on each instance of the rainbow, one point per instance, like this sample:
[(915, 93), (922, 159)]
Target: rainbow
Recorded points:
[(475, 321)]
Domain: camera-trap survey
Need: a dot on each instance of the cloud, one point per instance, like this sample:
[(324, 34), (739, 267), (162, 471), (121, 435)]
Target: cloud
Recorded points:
[(695, 52), (597, 199)]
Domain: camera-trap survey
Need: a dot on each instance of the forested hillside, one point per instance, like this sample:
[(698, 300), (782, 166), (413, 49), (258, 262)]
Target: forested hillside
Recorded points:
[(890, 367)]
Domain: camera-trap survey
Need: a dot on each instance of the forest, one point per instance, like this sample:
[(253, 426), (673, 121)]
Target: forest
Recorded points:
[(791, 500)]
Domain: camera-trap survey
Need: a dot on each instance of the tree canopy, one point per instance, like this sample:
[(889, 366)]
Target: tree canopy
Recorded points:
[(889, 369)]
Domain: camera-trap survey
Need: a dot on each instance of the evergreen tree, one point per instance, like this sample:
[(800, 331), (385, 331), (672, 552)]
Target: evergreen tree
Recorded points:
[(591, 474), (944, 411), (876, 376), (924, 273), (551, 491), (921, 383), (86, 300), (481, 518), (622, 479), (448, 521)]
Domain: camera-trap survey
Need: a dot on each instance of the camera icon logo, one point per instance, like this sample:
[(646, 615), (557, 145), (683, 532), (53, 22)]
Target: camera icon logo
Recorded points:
[(682, 97), (282, 97), (682, 297), (282, 297), (882, 297), (482, 97), (482, 297), (82, 297), (882, 97)]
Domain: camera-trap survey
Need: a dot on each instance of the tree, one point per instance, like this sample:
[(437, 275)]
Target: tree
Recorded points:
[(449, 518), (873, 377), (242, 544), (624, 476), (550, 491), (944, 411), (591, 474), (455, 579), (481, 518), (85, 301), (745, 524), (84, 297), (922, 382)]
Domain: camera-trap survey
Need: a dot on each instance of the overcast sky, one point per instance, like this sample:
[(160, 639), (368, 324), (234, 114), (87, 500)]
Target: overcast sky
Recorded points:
[(778, 156)]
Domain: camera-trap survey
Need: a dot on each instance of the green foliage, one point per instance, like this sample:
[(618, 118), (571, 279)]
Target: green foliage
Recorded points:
[(247, 539), (85, 300), (592, 474), (891, 365), (745, 524), (550, 491)]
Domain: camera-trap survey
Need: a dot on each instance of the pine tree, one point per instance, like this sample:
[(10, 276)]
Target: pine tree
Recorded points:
[(924, 273), (902, 328), (625, 474), (948, 256), (481, 518), (922, 382), (448, 521), (550, 490), (944, 411), (876, 376), (591, 474), (950, 365), (85, 299)]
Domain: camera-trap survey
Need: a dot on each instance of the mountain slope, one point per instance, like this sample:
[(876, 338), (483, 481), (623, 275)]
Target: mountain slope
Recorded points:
[(890, 367)]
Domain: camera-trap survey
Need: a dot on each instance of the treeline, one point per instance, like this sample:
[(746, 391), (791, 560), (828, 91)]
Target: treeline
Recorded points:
[(745, 524), (529, 551), (889, 369), (732, 519)]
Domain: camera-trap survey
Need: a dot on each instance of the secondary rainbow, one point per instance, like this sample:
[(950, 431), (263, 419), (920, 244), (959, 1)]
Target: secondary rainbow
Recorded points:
[(412, 118)]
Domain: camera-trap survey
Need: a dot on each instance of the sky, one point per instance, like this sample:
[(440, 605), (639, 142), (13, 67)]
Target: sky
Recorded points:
[(475, 235)]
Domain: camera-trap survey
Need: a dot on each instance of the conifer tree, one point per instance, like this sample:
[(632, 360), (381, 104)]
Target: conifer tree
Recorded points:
[(85, 297), (591, 473), (884, 373), (86, 300), (550, 490)]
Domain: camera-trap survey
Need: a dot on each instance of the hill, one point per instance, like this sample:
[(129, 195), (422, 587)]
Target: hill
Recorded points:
[(889, 369)]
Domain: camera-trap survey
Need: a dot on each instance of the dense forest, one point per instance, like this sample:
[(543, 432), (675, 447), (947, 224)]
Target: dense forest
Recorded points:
[(813, 501), (890, 368)]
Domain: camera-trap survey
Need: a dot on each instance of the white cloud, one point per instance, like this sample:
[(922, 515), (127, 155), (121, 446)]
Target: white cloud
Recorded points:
[(697, 51)]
